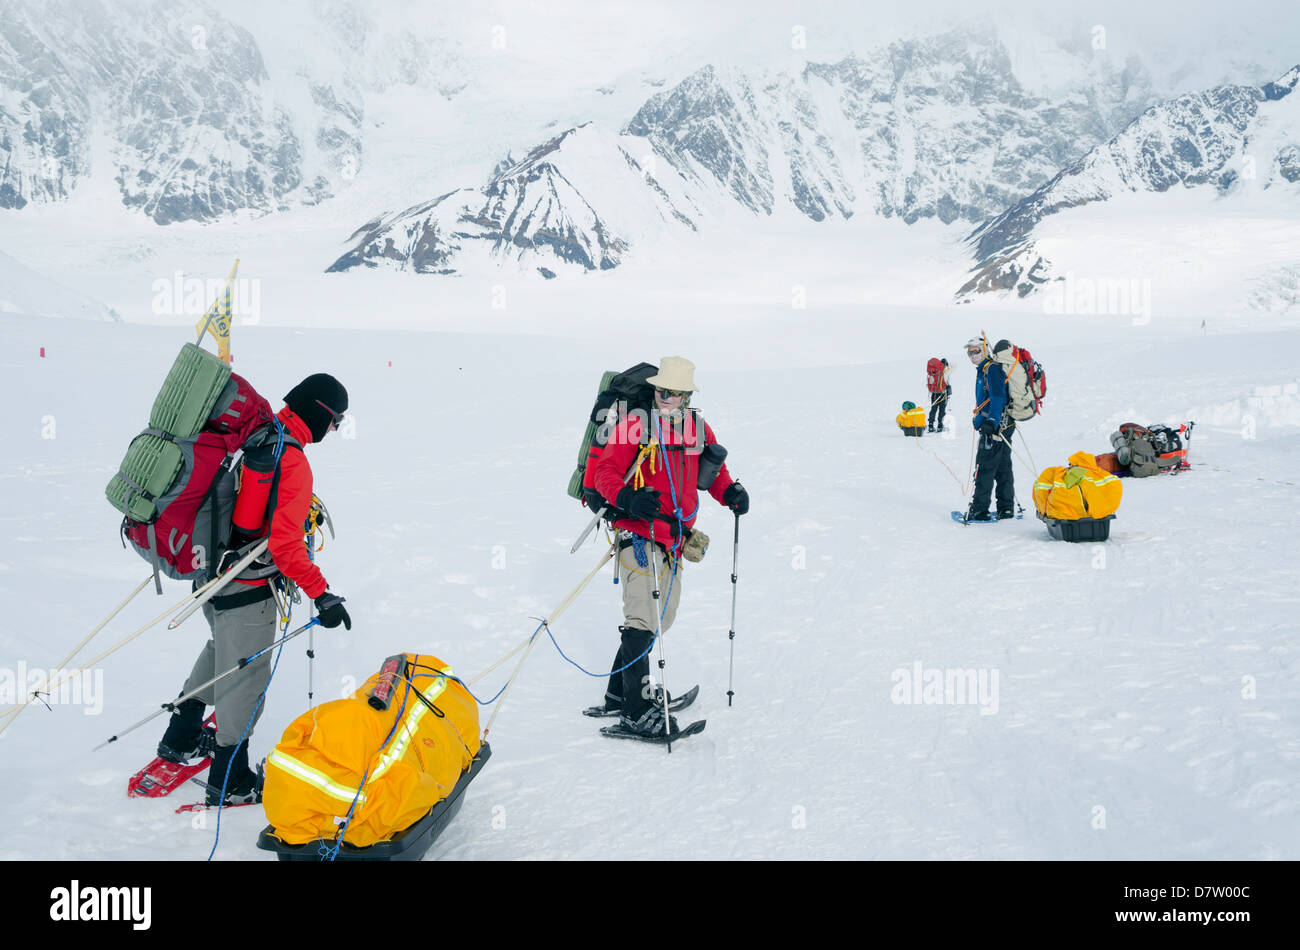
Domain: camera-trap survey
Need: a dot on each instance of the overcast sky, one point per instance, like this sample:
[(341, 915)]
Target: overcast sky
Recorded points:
[(641, 33)]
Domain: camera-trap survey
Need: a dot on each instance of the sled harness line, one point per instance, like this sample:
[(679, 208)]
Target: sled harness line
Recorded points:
[(544, 623), (189, 601), (527, 646), (960, 486)]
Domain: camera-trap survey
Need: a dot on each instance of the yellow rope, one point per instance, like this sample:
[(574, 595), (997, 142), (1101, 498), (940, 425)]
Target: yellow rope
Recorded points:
[(638, 480)]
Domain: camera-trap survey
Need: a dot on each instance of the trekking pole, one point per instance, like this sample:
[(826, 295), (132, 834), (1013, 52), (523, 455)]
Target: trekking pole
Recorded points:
[(1020, 458), (731, 634), (663, 669), (65, 675), (970, 471), (546, 622), (214, 587), (311, 658), (171, 706)]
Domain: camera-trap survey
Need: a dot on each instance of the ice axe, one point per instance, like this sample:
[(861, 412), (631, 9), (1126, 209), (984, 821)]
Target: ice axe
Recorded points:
[(595, 520)]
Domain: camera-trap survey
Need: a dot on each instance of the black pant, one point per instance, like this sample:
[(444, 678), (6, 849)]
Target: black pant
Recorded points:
[(939, 404), (629, 686), (993, 464)]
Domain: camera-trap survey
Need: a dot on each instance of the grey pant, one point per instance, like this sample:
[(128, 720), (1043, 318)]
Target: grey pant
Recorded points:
[(236, 633)]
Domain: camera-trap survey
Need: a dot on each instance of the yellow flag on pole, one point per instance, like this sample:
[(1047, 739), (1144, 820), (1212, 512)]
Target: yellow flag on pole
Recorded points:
[(217, 319)]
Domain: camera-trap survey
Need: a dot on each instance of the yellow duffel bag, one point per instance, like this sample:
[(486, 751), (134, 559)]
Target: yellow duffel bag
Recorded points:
[(911, 421), (1079, 490), (410, 755)]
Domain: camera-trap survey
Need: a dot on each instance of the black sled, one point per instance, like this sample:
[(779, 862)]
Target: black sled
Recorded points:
[(1084, 529)]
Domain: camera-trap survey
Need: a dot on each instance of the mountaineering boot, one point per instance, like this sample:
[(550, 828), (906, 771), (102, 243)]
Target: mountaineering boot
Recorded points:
[(243, 787), (978, 516), (633, 645), (651, 723), (185, 737), (1006, 514)]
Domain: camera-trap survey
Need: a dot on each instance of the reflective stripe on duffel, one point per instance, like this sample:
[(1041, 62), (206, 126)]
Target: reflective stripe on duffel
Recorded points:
[(410, 723)]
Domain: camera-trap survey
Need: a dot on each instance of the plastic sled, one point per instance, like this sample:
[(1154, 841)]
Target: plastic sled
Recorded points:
[(1084, 529)]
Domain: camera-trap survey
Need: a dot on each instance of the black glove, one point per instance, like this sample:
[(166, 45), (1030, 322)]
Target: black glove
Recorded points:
[(989, 428), (736, 498), (331, 612), (638, 502)]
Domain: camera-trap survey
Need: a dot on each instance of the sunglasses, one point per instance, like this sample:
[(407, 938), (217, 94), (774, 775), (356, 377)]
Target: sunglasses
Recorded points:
[(669, 393), (335, 417)]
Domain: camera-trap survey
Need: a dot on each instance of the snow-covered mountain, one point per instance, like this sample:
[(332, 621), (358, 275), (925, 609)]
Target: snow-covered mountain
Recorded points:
[(179, 100), (927, 128), (1233, 139), (44, 117), (932, 127), (578, 200), (189, 112)]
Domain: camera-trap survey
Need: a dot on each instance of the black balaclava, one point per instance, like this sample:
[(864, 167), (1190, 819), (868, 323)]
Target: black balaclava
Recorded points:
[(305, 400)]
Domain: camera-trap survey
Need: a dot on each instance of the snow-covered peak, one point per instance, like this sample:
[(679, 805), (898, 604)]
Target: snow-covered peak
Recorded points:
[(1233, 138), (933, 126), (577, 201)]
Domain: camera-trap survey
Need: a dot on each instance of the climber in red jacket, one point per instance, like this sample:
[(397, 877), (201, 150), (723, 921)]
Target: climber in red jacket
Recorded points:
[(243, 618), (651, 469)]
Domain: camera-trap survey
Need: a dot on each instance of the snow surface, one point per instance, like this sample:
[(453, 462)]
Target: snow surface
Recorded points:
[(1149, 683)]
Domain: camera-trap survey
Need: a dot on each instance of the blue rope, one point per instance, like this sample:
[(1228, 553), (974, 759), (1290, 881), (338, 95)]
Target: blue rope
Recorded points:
[(329, 854), (672, 492), (672, 576), (279, 437)]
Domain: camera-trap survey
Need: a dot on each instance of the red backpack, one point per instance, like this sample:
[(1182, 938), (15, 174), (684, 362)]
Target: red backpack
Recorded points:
[(194, 514), (934, 375)]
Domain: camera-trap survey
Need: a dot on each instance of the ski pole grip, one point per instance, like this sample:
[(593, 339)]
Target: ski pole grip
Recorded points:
[(393, 670)]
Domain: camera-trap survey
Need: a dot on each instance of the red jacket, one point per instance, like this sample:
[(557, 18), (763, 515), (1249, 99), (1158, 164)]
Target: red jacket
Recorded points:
[(292, 501), (672, 467)]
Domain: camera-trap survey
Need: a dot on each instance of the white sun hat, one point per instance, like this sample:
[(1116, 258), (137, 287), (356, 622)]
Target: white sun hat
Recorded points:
[(676, 373)]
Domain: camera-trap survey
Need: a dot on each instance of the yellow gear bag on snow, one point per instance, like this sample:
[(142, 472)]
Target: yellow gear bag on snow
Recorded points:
[(911, 419), (1081, 489), (313, 775)]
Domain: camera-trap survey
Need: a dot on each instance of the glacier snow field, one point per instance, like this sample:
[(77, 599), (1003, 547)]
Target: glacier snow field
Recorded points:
[(1129, 699)]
